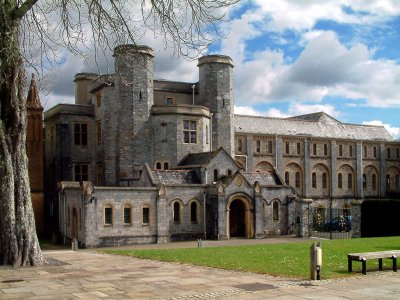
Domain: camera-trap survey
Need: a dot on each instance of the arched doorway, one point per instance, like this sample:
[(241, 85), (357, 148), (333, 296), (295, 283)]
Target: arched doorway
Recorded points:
[(237, 224), (240, 217)]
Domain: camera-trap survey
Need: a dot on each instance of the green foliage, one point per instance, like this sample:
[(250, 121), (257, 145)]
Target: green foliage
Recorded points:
[(290, 259)]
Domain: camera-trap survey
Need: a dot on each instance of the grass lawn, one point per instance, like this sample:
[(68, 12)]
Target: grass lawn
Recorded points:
[(288, 259)]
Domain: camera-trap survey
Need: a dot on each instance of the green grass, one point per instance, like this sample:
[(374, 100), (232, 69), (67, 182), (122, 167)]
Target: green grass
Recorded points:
[(288, 259)]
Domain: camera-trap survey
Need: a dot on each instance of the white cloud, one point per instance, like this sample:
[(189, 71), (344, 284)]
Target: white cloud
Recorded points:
[(246, 110), (394, 131)]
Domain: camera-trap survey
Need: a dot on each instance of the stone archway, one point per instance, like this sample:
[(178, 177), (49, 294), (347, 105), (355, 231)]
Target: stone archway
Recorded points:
[(240, 218)]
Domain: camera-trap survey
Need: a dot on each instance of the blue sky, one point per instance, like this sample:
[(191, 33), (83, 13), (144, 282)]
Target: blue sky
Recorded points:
[(295, 57)]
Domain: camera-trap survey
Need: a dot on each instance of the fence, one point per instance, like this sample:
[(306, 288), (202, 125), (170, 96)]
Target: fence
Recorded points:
[(330, 223)]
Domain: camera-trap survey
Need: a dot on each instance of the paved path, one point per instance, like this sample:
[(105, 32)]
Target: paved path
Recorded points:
[(90, 275)]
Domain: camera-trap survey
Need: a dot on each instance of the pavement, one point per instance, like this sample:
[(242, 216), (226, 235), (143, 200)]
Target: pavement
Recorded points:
[(87, 274)]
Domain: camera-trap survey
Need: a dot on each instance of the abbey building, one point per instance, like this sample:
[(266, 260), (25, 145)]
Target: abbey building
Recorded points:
[(138, 160)]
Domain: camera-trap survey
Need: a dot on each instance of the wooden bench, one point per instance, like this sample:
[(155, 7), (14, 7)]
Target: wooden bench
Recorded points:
[(363, 257)]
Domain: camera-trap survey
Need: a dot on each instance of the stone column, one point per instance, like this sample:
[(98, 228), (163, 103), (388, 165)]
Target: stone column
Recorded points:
[(258, 212), (163, 235), (303, 214), (382, 175), (356, 218), (359, 171), (333, 168), (250, 151), (307, 170), (279, 156), (222, 214)]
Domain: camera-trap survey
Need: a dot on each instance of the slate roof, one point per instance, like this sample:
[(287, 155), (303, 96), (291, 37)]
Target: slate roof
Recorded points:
[(319, 125), (198, 159), (262, 178), (174, 177)]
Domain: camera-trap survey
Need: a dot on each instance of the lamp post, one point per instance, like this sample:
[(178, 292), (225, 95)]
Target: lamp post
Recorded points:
[(204, 215), (193, 88)]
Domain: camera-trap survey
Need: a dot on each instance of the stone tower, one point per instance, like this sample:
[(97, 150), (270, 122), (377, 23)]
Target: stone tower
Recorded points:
[(216, 93), (134, 93), (34, 151)]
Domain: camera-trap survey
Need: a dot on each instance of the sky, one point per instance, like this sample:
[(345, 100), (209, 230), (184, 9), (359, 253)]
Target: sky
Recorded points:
[(291, 57)]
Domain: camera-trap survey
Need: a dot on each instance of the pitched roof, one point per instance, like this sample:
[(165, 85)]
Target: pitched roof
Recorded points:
[(319, 125), (174, 177), (33, 100), (262, 178), (198, 159)]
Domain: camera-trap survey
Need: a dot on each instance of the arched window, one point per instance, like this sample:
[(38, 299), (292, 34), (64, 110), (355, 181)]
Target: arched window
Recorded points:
[(364, 183), (166, 166), (275, 211), (314, 180), (193, 212), (340, 181), (158, 165), (387, 182), (287, 181), (215, 175), (350, 181), (177, 212), (324, 181), (108, 215), (297, 179), (374, 181)]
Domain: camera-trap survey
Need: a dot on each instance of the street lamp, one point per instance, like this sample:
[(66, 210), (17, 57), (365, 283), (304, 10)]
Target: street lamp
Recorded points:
[(193, 88)]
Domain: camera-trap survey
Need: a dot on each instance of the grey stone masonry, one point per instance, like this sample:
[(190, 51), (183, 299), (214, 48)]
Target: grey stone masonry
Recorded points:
[(382, 155), (359, 171), (134, 85), (356, 218), (216, 93)]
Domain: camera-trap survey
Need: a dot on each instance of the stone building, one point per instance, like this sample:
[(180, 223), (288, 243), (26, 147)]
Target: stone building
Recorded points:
[(142, 160), (35, 153)]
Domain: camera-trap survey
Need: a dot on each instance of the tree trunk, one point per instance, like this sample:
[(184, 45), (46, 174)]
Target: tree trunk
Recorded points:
[(19, 245)]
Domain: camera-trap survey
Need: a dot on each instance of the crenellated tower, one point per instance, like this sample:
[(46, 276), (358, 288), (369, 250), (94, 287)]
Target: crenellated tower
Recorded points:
[(134, 97), (216, 93)]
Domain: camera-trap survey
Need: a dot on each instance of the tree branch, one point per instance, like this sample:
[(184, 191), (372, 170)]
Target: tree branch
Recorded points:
[(19, 12)]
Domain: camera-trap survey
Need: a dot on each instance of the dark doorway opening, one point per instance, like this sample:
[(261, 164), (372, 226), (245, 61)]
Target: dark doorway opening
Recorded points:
[(237, 224)]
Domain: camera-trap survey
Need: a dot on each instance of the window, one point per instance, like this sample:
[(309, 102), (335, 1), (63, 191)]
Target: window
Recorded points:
[(298, 148), (99, 173), (98, 132), (108, 215), (169, 101), (350, 150), (207, 134), (374, 152), (287, 181), (387, 183), (269, 146), (193, 212), (340, 150), (314, 180), (364, 182), (145, 215), (350, 181), (81, 172), (325, 149), (340, 181), (215, 175), (163, 133), (365, 152), (388, 153), (81, 134), (158, 165), (166, 166), (189, 132), (374, 181), (287, 147), (258, 146), (297, 179), (229, 172), (314, 149), (140, 95), (127, 215), (240, 145), (98, 99), (324, 181), (275, 211), (176, 213)]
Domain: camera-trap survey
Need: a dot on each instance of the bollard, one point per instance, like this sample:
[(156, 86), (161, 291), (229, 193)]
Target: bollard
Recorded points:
[(199, 243), (74, 245), (315, 261)]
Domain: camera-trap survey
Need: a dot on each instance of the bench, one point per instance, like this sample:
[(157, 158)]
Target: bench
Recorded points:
[(363, 257)]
